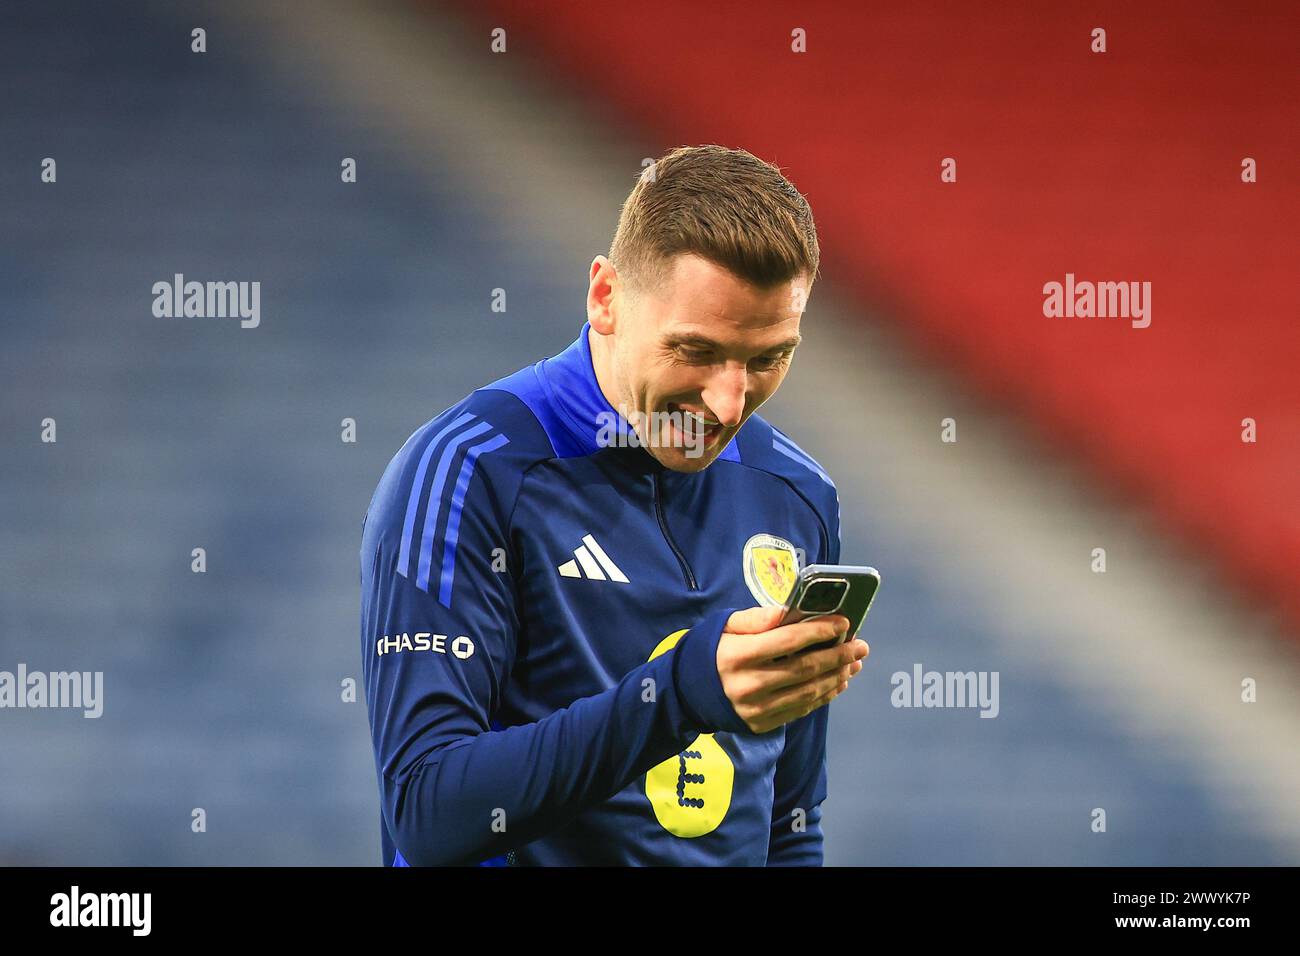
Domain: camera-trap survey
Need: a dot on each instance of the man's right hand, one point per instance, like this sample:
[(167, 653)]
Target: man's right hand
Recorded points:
[(767, 681)]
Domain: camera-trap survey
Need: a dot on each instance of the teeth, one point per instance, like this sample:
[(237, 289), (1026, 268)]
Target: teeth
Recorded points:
[(698, 417)]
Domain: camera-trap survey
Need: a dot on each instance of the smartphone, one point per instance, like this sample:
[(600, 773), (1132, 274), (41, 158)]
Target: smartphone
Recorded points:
[(823, 589)]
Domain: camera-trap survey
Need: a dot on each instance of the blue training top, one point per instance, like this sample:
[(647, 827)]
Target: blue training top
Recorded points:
[(541, 604)]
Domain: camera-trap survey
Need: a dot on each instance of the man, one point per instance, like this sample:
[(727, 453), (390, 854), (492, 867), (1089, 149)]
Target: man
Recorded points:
[(562, 663)]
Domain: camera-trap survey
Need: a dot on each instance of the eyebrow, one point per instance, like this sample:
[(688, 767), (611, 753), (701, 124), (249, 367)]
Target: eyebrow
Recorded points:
[(701, 341)]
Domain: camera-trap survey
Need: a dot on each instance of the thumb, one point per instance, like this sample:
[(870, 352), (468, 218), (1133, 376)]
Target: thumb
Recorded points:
[(754, 620)]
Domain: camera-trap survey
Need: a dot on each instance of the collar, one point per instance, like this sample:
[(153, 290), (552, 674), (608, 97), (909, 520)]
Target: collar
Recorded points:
[(570, 379)]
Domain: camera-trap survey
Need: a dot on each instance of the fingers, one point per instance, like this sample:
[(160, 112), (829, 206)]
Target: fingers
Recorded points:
[(766, 678), (754, 620), (792, 697), (772, 642), (802, 668), (795, 637), (826, 689)]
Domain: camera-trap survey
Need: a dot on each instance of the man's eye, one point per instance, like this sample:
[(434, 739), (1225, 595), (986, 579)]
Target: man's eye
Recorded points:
[(766, 362), (693, 355)]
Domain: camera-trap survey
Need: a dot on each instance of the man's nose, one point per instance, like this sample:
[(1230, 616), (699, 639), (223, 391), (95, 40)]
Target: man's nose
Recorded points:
[(725, 394)]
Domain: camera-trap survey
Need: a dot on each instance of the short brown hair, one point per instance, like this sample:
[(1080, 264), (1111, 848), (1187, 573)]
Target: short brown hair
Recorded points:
[(725, 205)]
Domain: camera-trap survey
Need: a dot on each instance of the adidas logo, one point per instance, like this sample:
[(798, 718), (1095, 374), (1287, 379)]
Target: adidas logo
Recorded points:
[(591, 561)]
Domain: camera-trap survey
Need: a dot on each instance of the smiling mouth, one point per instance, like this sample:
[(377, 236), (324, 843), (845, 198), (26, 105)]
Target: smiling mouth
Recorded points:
[(701, 426)]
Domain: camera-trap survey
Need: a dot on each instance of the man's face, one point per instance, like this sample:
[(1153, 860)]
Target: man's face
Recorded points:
[(706, 343)]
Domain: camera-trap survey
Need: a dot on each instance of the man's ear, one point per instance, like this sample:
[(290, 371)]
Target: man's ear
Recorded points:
[(603, 289)]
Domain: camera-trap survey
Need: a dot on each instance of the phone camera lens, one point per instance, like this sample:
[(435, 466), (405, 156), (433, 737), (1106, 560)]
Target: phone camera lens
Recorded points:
[(824, 596)]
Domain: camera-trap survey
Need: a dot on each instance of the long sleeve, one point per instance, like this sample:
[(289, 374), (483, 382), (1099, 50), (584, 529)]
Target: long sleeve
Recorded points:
[(439, 629)]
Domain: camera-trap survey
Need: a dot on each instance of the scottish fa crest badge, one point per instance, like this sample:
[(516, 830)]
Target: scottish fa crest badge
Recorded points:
[(771, 565)]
